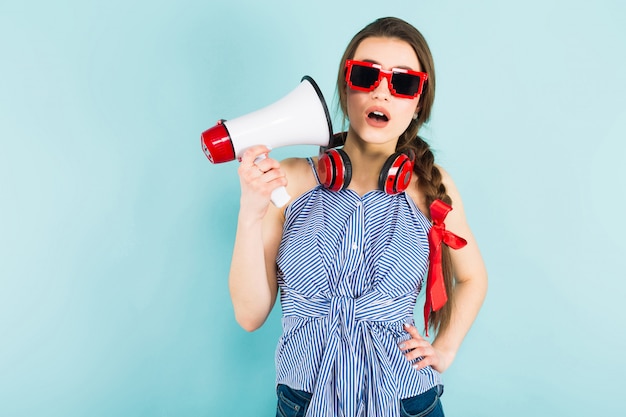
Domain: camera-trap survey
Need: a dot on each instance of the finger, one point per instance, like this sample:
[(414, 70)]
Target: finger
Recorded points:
[(426, 361), (267, 164), (415, 336), (412, 344), (252, 153), (412, 330), (249, 173), (256, 170), (419, 352), (275, 177)]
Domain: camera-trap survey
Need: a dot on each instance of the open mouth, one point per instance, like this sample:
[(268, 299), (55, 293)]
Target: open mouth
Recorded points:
[(377, 115)]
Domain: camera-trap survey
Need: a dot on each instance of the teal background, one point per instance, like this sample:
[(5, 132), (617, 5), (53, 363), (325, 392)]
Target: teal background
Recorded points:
[(116, 232)]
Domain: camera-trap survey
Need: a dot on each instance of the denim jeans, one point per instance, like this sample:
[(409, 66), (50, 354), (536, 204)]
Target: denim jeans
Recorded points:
[(426, 404), (294, 403), (291, 402)]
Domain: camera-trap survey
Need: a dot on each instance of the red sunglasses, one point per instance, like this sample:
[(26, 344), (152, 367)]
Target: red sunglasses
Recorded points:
[(366, 76)]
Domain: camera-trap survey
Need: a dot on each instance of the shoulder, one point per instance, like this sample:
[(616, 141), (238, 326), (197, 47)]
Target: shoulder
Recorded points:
[(446, 178), (456, 220), (300, 175), (451, 189), (420, 199), (296, 165)]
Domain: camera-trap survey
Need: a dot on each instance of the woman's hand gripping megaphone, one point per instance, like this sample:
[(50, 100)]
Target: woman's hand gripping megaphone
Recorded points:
[(279, 196), (260, 176)]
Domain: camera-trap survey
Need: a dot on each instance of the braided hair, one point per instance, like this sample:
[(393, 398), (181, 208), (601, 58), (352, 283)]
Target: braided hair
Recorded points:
[(429, 178)]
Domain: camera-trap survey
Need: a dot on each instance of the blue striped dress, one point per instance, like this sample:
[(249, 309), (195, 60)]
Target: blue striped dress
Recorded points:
[(349, 271)]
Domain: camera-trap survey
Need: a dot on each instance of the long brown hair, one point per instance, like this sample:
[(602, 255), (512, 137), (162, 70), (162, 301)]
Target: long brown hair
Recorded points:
[(428, 175)]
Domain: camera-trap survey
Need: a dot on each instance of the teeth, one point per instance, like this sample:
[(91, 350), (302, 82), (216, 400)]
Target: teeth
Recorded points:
[(379, 114)]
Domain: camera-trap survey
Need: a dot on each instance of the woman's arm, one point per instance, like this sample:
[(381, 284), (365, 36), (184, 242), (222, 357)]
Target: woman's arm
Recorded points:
[(469, 292), (252, 278)]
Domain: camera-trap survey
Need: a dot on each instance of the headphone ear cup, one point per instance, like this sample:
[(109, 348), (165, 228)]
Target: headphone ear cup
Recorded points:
[(334, 169), (395, 176)]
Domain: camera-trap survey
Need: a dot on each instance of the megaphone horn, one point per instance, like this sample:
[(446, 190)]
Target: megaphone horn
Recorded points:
[(299, 118)]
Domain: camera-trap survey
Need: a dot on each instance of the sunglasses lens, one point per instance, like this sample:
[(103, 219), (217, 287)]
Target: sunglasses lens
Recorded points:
[(364, 77), (406, 84)]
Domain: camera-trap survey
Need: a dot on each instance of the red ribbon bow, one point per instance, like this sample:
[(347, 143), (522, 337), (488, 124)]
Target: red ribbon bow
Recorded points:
[(436, 296)]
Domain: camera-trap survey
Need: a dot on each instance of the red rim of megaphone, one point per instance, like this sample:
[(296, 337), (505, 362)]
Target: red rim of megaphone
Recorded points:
[(217, 145)]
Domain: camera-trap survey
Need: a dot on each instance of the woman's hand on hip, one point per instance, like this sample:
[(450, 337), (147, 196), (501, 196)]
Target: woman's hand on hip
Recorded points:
[(420, 349)]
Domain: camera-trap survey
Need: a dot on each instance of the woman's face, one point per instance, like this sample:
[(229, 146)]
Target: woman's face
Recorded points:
[(377, 117)]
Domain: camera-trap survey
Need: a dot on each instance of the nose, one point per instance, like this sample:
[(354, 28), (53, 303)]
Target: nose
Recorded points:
[(382, 90)]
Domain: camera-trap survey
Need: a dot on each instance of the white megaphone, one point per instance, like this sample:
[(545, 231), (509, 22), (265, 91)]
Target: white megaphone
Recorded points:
[(299, 118)]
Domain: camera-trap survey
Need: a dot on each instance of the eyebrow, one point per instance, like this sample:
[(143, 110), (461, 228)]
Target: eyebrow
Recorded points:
[(371, 61)]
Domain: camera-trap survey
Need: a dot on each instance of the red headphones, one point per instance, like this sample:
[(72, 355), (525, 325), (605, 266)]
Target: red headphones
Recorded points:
[(335, 170)]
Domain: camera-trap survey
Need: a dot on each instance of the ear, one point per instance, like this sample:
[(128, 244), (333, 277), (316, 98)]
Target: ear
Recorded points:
[(417, 111)]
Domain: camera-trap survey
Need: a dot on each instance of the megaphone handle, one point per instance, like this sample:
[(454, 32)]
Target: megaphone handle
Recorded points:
[(279, 196)]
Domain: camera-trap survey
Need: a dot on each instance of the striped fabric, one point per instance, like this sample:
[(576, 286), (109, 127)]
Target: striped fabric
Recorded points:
[(349, 271)]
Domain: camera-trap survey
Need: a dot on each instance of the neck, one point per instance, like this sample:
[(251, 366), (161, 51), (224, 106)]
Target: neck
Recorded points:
[(367, 161)]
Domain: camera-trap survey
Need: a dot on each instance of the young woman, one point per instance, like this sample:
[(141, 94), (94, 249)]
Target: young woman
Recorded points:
[(351, 250)]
